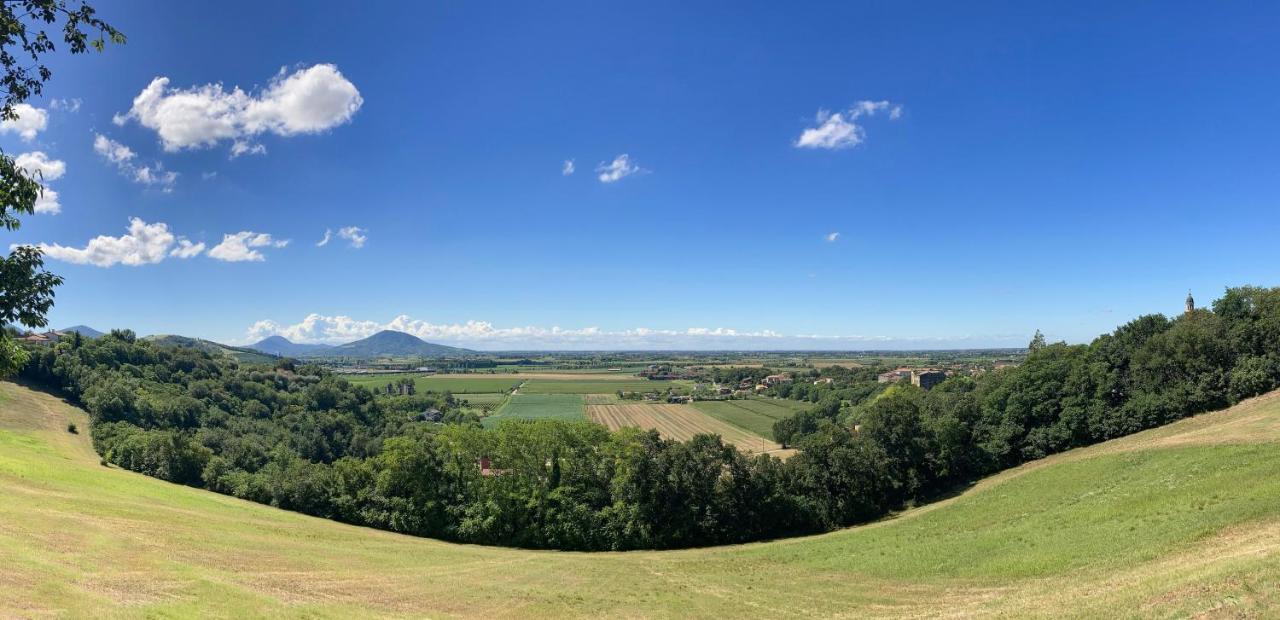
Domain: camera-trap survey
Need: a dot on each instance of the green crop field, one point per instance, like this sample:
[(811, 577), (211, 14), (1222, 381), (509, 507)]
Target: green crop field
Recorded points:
[(458, 384), (482, 399), (553, 386), (540, 406), (756, 414), (1179, 521)]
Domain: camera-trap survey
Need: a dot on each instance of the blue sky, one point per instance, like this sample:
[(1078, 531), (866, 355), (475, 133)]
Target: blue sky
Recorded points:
[(1064, 168)]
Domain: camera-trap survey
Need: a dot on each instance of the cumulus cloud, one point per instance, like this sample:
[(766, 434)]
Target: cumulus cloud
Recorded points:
[(41, 168), (483, 335), (840, 130), (328, 234), (310, 100), (618, 169), (831, 237), (567, 169), (125, 160), (242, 246), (143, 244), (354, 235), (31, 121)]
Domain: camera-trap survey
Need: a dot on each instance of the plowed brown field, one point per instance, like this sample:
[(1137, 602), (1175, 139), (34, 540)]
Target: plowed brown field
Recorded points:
[(676, 422)]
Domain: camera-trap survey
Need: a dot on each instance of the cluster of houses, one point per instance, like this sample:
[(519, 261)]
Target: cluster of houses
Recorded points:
[(924, 378), (50, 337)]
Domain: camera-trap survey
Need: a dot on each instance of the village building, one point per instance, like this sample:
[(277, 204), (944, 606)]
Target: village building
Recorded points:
[(926, 379), (777, 379), (893, 376)]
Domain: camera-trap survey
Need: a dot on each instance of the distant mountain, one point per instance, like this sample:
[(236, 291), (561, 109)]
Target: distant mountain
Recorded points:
[(387, 343), (83, 330), (240, 353), (279, 345)]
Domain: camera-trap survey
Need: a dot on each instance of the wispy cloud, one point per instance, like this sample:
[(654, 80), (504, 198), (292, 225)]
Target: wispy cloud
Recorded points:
[(126, 161), (328, 234), (831, 237), (567, 169), (621, 167), (354, 235), (840, 130)]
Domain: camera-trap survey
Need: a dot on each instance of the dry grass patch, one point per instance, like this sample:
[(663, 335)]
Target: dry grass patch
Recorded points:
[(676, 422)]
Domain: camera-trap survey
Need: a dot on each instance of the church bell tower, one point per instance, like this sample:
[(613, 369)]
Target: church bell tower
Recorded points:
[(1191, 303)]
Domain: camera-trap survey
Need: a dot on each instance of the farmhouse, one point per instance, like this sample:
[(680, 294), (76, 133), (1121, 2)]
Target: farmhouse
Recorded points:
[(926, 379), (893, 376), (430, 415), (679, 399), (777, 379)]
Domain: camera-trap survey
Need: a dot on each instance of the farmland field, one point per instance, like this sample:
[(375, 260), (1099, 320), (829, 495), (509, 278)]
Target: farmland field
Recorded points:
[(755, 415), (483, 398), (676, 422), (458, 384), (626, 384), (539, 407), (1179, 521)]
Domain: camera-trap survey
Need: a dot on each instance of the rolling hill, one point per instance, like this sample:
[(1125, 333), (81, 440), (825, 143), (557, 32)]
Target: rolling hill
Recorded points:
[(1182, 520), (84, 330), (279, 345), (239, 353), (389, 343)]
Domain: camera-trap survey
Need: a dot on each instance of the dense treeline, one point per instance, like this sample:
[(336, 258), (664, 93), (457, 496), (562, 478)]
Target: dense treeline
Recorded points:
[(300, 438)]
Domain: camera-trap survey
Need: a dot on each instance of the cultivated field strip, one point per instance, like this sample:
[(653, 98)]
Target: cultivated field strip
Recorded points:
[(676, 422)]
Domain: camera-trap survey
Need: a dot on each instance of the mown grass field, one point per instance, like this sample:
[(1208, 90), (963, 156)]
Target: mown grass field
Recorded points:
[(485, 398), (676, 422), (755, 414), (1180, 521), (538, 407)]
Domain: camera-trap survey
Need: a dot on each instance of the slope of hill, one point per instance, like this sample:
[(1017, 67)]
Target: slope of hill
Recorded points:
[(239, 353), (84, 330), (1177, 521), (279, 345), (388, 343)]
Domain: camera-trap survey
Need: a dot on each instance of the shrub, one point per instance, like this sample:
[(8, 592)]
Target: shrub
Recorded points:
[(71, 428)]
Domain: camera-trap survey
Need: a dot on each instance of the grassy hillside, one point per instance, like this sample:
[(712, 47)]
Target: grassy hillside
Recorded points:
[(1181, 520)]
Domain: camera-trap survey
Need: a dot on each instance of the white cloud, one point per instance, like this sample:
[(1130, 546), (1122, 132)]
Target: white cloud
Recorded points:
[(620, 167), (309, 100), (70, 105), (241, 147), (841, 130), (354, 234), (483, 335), (143, 244), (328, 234), (567, 169), (48, 203), (123, 157), (115, 152), (240, 246), (831, 237), (30, 121), (187, 249), (38, 166)]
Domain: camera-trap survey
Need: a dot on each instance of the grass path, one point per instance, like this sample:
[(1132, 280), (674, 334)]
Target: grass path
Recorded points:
[(1178, 521)]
